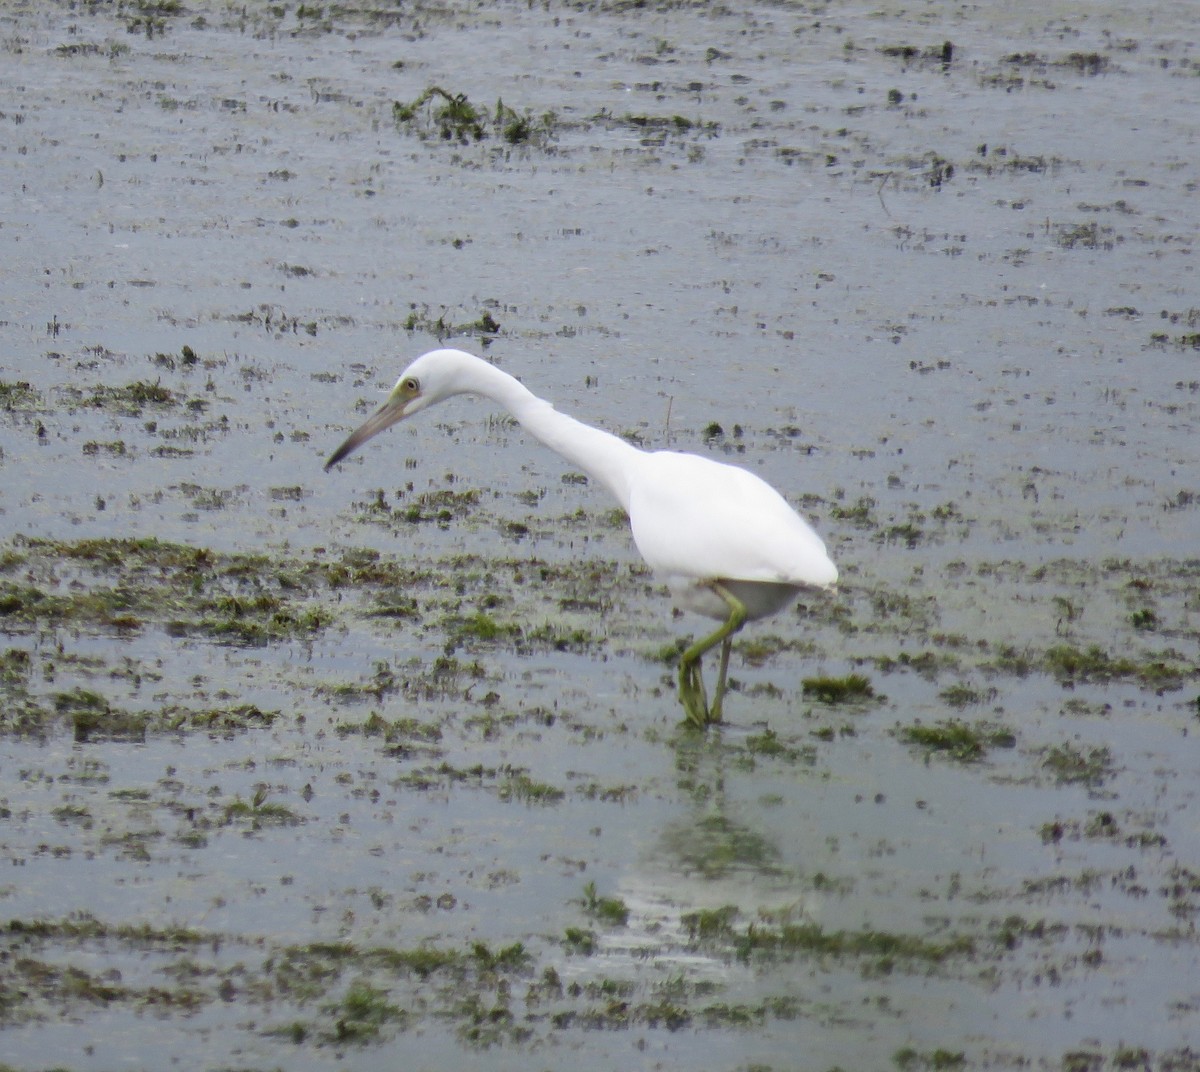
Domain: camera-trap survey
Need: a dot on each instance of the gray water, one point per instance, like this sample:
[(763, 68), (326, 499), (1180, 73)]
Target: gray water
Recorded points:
[(941, 295)]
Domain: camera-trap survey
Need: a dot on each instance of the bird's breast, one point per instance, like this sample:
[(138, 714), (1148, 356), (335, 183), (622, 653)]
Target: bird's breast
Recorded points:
[(760, 598)]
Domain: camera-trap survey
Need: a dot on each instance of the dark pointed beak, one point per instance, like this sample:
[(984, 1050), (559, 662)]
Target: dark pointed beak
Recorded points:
[(384, 417)]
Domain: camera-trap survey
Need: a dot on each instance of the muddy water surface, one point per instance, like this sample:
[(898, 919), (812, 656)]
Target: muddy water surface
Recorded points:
[(384, 767)]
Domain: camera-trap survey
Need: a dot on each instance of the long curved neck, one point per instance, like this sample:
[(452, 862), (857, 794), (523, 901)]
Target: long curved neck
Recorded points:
[(601, 455)]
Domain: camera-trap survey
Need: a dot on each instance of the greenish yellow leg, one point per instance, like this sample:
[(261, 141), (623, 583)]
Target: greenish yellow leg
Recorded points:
[(691, 692), (714, 712), (691, 684)]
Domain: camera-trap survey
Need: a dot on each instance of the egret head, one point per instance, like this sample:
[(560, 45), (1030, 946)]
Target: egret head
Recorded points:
[(429, 379)]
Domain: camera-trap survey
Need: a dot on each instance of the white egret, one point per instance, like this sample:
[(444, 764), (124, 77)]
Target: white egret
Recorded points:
[(727, 543)]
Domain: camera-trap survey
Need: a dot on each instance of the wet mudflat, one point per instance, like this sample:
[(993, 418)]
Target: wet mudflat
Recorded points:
[(384, 767)]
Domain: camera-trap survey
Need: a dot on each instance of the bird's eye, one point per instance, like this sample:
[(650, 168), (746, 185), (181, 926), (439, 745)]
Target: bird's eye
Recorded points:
[(412, 385)]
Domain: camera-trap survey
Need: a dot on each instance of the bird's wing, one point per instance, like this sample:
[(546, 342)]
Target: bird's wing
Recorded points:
[(698, 518)]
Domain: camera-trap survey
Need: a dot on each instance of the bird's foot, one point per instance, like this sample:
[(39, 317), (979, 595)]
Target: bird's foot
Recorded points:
[(714, 712), (693, 697)]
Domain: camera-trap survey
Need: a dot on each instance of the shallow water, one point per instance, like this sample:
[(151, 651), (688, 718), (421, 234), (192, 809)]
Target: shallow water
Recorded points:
[(943, 299)]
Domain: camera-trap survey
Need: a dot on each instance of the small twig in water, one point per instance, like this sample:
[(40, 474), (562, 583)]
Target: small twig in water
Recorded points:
[(879, 192)]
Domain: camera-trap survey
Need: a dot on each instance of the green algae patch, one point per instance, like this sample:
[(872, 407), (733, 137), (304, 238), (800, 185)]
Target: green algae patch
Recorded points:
[(439, 115), (92, 717), (129, 399), (1161, 670), (361, 1015), (1071, 765), (769, 745), (769, 939), (956, 739), (519, 786), (19, 395), (810, 939), (852, 688), (718, 845), (127, 585), (609, 911), (258, 812)]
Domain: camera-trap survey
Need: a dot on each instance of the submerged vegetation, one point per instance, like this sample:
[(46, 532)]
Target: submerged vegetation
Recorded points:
[(131, 587), (957, 739), (19, 395), (107, 646), (853, 688), (439, 114), (331, 772)]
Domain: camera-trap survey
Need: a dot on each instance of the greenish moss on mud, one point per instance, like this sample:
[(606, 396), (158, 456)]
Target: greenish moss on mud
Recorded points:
[(244, 598), (769, 745), (406, 730), (89, 715), (961, 695), (908, 1059), (129, 399), (1166, 670), (361, 1015), (956, 739), (19, 395), (485, 327), (521, 787), (716, 846), (608, 911), (765, 938), (258, 811), (853, 688), (1085, 766), (340, 994)]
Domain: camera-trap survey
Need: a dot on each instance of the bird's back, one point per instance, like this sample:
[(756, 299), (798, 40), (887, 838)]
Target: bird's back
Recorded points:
[(696, 518)]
